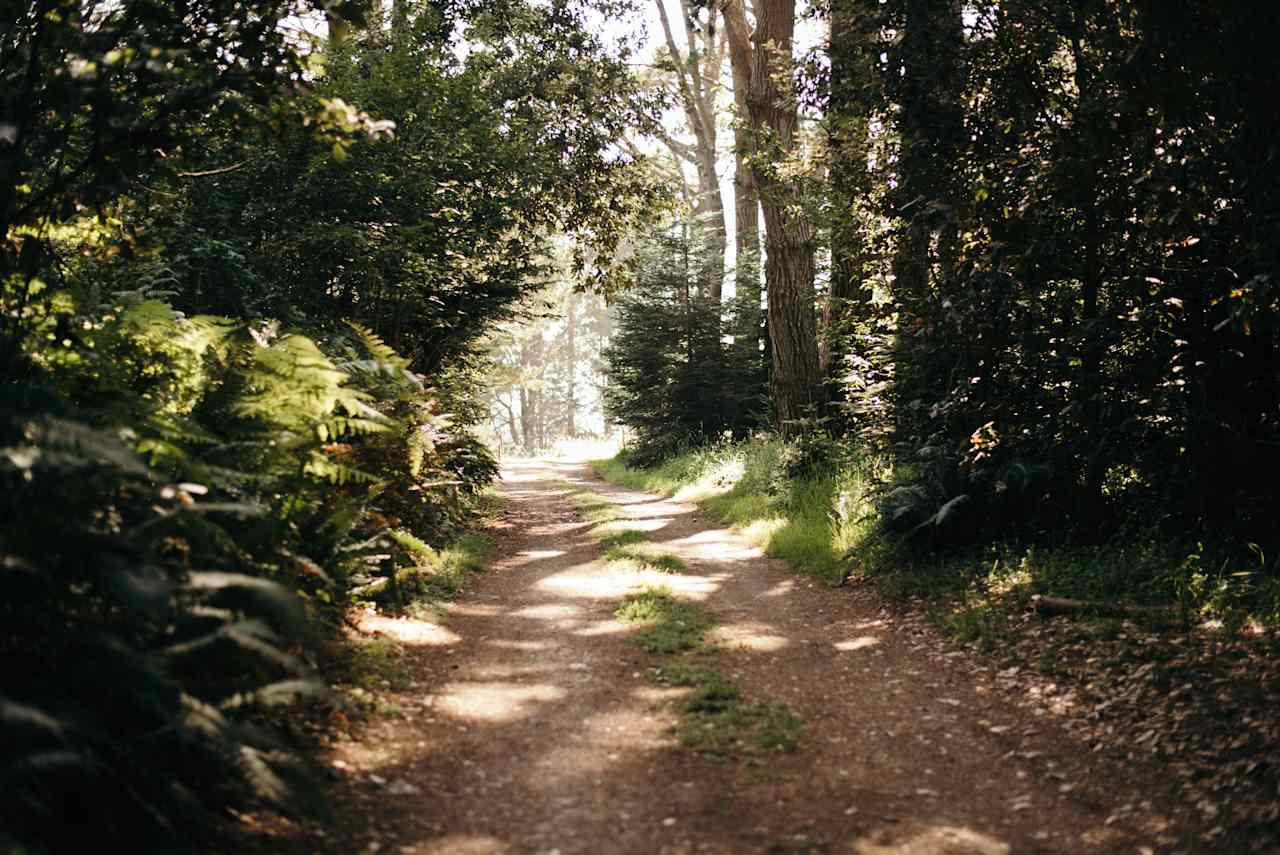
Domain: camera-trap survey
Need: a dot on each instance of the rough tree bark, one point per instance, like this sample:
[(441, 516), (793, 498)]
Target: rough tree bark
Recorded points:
[(763, 58)]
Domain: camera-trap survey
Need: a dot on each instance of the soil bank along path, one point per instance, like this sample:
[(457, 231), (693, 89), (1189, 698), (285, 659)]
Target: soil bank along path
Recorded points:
[(534, 723)]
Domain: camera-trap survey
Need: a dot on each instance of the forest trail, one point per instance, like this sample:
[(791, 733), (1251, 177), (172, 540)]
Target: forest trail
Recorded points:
[(534, 725)]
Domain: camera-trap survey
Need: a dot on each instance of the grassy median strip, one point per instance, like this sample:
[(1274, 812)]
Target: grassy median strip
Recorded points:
[(715, 719), (622, 541)]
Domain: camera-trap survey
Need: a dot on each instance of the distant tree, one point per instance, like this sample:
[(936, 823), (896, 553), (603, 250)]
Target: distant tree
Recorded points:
[(544, 377), (663, 381), (697, 70)]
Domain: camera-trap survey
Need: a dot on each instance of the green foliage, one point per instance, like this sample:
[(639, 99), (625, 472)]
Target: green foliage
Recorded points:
[(95, 95), (670, 378), (132, 643), (418, 576), (1062, 331), (170, 591), (428, 236), (235, 315)]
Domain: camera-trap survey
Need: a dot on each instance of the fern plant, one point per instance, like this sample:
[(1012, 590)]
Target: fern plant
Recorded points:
[(129, 650)]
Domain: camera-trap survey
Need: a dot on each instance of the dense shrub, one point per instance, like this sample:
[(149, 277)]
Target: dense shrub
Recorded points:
[(670, 379), (184, 502)]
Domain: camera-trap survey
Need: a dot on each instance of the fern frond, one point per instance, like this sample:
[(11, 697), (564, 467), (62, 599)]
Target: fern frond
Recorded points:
[(340, 426), (319, 466), (276, 694), (248, 594), (259, 774), (410, 543), (241, 636), (377, 348), (203, 718), (20, 717), (81, 444)]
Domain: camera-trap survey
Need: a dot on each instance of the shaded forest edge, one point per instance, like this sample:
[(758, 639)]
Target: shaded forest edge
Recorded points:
[(240, 373), (1045, 354)]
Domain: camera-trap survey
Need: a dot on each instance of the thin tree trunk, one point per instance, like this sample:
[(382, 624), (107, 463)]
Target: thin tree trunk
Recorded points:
[(1090, 384), (527, 417), (571, 345), (697, 72), (746, 201)]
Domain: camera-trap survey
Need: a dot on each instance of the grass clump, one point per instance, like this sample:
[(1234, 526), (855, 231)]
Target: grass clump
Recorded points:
[(374, 663), (670, 626), (718, 722), (593, 508), (619, 538), (467, 554), (645, 556)]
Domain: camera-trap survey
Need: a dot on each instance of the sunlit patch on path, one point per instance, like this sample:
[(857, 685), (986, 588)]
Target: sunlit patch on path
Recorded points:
[(499, 701), (409, 630)]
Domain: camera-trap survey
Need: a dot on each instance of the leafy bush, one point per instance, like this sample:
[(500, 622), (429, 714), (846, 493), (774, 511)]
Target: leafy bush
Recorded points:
[(942, 493), (185, 501)]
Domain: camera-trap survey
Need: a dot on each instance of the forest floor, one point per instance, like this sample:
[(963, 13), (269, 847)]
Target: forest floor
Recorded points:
[(528, 719)]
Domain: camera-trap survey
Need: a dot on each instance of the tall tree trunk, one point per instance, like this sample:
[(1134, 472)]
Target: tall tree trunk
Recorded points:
[(930, 128), (571, 346), (528, 420), (1091, 350), (764, 59), (530, 361), (511, 423), (541, 420), (746, 203)]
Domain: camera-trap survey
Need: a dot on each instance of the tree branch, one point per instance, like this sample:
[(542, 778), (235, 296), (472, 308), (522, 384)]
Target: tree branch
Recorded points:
[(222, 170)]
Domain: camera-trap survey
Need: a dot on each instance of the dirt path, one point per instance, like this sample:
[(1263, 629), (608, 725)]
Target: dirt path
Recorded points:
[(533, 725)]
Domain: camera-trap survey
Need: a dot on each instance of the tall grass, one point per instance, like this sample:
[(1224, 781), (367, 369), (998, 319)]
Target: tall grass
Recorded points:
[(811, 518), (817, 513)]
